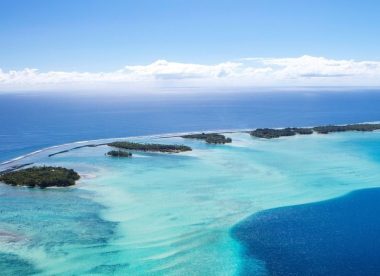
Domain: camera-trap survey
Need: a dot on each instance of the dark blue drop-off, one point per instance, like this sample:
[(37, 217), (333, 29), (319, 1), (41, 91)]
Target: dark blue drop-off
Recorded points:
[(334, 237)]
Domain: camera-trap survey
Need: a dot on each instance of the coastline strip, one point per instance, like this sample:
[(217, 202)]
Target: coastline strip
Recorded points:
[(153, 136)]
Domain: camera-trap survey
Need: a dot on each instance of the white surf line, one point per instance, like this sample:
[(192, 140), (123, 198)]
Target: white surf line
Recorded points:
[(39, 151), (154, 136)]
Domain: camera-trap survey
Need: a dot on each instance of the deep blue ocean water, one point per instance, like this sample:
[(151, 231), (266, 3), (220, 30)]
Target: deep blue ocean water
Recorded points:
[(172, 214), (333, 237), (32, 121)]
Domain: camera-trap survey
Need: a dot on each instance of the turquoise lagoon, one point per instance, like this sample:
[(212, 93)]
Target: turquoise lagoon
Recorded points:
[(172, 214)]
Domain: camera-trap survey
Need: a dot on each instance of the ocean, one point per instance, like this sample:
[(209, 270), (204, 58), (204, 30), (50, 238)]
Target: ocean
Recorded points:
[(333, 237), (31, 121), (193, 213)]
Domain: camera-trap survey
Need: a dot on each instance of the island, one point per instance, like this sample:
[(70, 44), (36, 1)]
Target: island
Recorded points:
[(210, 138), (354, 127), (42, 177), (269, 133), (75, 148), (119, 153), (59, 152), (149, 147)]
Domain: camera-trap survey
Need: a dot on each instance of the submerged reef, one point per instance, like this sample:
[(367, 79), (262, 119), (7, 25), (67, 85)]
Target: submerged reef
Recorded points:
[(210, 138), (119, 153), (12, 264), (42, 177), (270, 133), (149, 147)]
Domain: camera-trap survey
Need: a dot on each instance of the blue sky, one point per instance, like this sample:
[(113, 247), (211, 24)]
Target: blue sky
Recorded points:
[(107, 35), (104, 35)]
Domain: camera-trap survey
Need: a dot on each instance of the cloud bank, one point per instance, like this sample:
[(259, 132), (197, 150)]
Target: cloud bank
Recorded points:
[(246, 72)]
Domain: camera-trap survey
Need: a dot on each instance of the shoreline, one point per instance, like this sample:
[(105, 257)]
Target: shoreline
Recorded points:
[(116, 200), (88, 143), (104, 141)]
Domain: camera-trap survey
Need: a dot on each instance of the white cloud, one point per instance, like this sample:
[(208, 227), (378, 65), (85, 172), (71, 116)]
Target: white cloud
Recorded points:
[(163, 69), (247, 72)]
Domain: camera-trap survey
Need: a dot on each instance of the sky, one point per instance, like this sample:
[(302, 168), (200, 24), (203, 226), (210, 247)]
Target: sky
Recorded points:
[(68, 44)]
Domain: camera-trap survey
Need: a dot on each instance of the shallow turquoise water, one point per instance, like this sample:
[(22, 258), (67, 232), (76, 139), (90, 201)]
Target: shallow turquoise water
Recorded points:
[(171, 214)]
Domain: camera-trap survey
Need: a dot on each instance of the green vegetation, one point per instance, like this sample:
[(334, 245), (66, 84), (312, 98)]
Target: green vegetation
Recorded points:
[(149, 147), (270, 133), (302, 131), (41, 177), (354, 127), (119, 153), (210, 138), (88, 146)]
